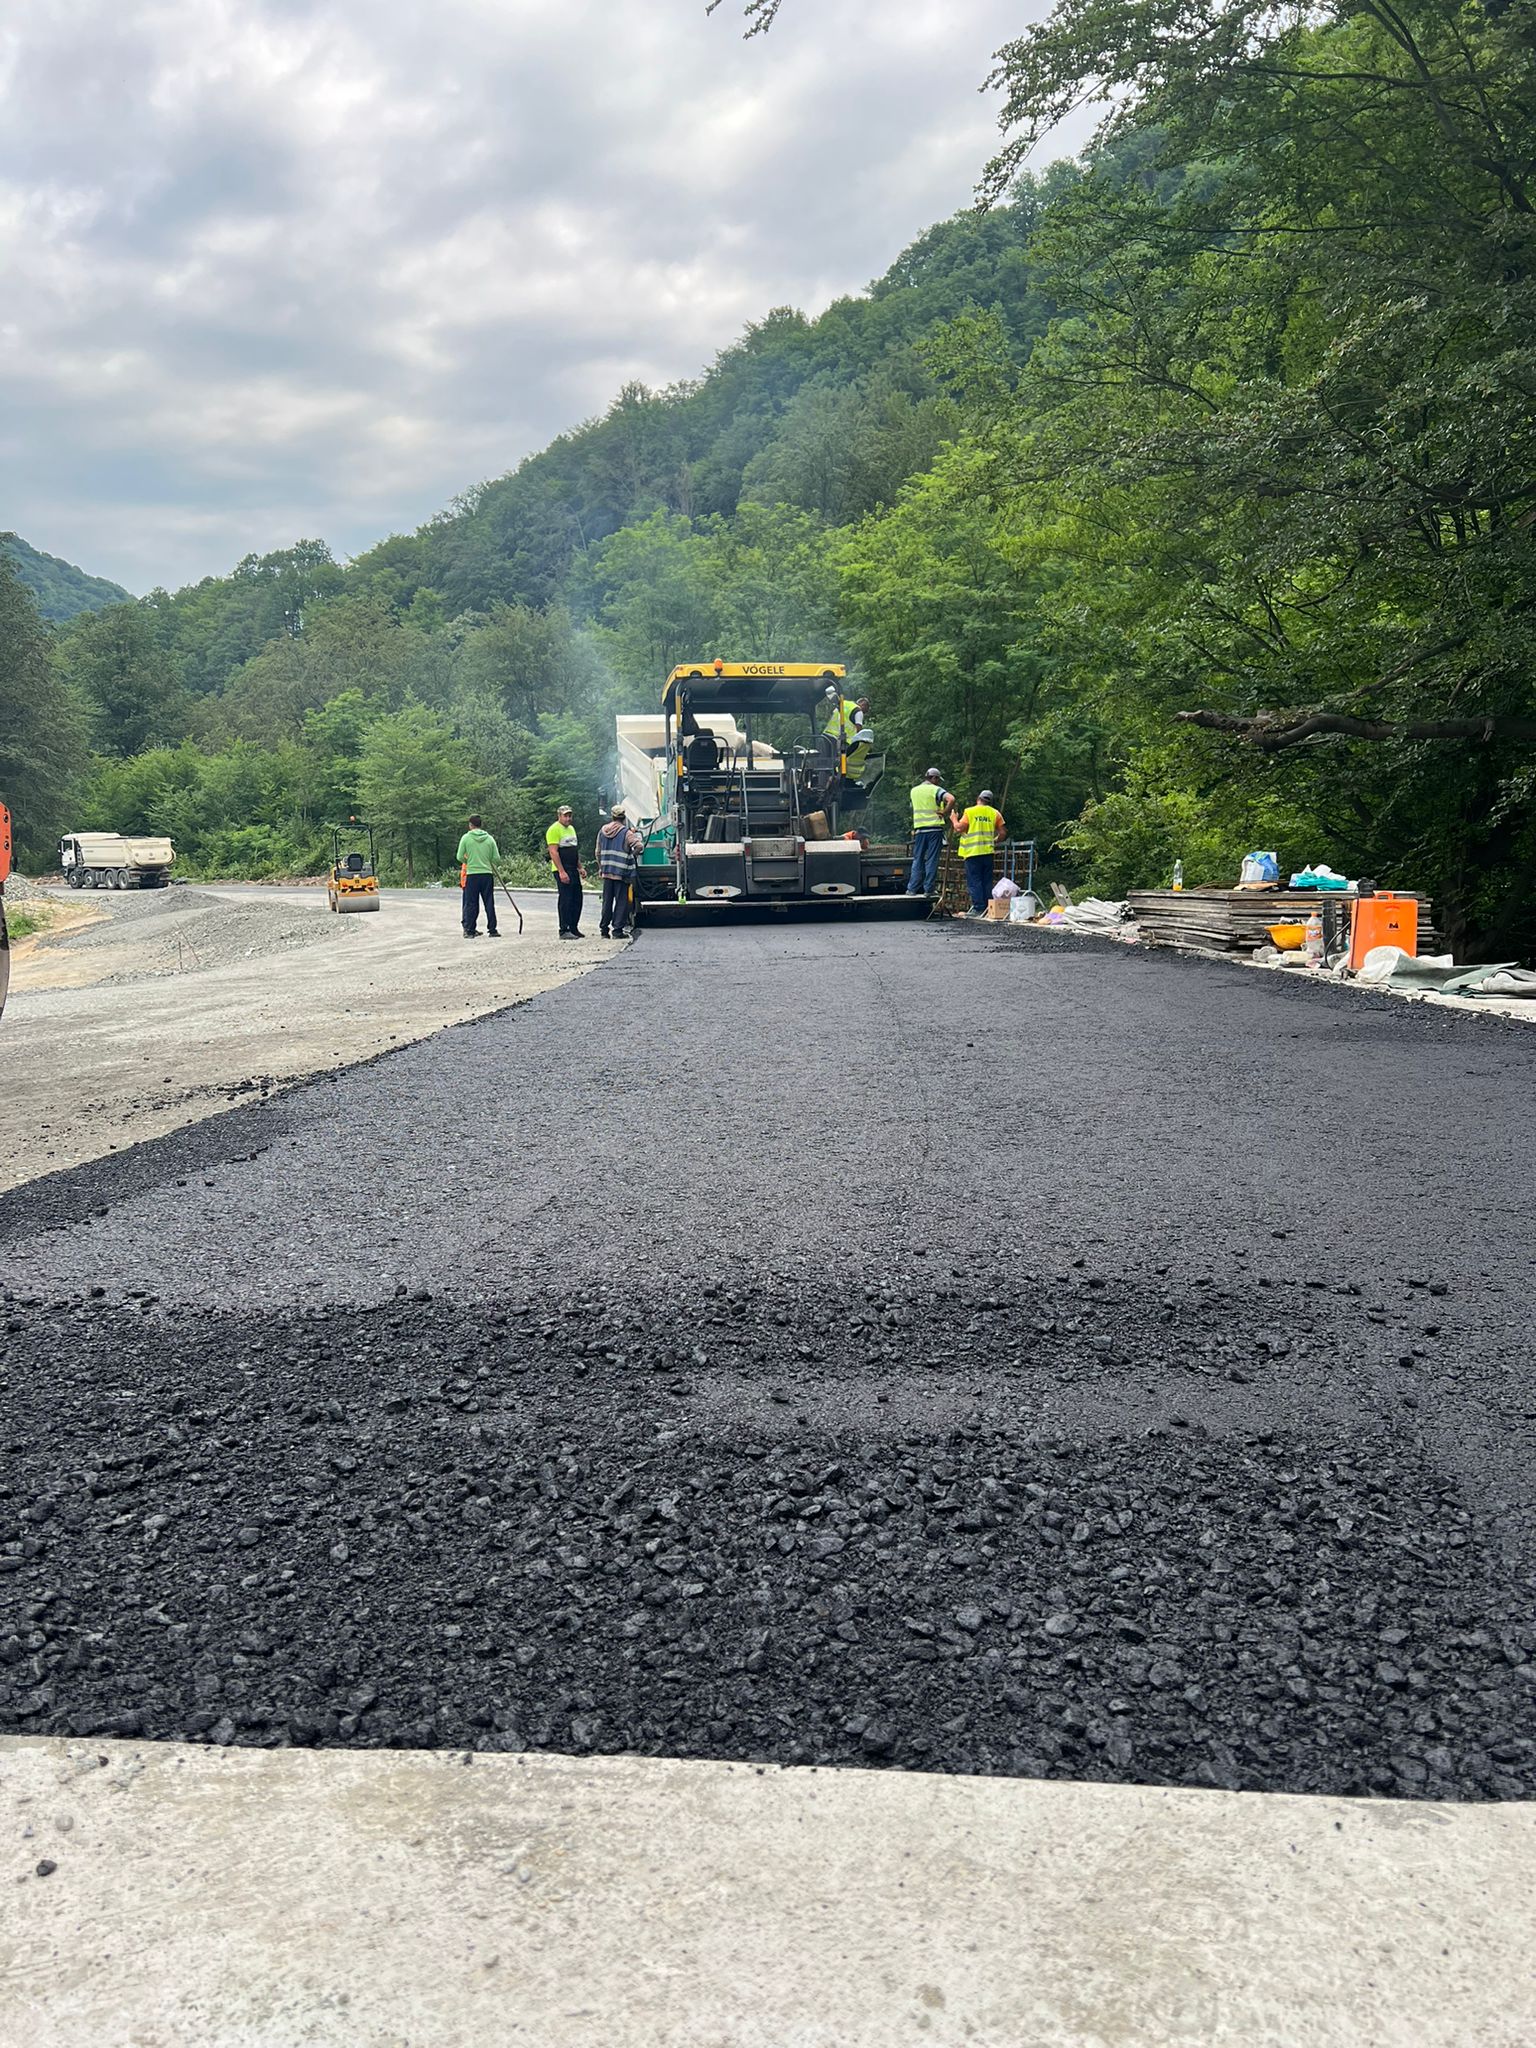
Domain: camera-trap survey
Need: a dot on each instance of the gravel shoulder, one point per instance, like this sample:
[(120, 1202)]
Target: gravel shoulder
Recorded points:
[(875, 1346), (140, 1013)]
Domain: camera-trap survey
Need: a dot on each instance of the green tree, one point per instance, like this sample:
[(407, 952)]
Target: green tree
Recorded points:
[(946, 625), (115, 661), (42, 726), (772, 584), (650, 589), (350, 643), (563, 769), (413, 781)]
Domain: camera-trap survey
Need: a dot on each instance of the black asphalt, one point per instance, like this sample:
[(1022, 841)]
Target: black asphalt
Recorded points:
[(926, 1347)]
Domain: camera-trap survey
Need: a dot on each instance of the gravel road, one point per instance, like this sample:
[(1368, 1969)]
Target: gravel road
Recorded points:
[(171, 1004), (911, 1346)]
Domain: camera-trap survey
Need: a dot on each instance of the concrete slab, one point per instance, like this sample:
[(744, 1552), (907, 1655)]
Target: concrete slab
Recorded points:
[(267, 1899)]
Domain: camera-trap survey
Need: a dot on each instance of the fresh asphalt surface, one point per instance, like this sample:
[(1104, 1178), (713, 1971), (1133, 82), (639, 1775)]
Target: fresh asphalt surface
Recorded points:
[(912, 1345)]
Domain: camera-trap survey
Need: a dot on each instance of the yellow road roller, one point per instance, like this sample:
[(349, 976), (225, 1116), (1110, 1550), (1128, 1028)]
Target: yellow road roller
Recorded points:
[(354, 877)]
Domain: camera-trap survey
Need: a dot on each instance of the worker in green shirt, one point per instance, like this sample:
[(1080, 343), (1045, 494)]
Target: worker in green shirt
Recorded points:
[(565, 859), (477, 857)]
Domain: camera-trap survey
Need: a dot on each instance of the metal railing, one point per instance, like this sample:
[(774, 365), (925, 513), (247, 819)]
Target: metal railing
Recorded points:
[(1014, 858)]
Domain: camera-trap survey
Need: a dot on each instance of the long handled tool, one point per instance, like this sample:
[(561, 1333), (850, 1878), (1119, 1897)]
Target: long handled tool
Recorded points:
[(513, 901)]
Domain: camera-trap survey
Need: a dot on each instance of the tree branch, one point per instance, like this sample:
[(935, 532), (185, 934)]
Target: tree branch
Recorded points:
[(758, 14), (1272, 731)]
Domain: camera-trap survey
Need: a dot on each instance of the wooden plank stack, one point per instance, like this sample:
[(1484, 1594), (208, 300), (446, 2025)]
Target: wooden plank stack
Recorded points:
[(1238, 920)]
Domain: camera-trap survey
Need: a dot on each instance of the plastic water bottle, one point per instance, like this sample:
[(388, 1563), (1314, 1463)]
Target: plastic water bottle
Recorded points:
[(1314, 942), (1178, 874)]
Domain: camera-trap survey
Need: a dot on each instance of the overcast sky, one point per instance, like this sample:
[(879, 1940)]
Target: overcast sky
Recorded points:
[(284, 268)]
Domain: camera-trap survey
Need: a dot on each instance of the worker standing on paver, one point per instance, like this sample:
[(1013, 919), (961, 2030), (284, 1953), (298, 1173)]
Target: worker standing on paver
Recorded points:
[(980, 826), (930, 800), (843, 721), (618, 844), (477, 857), (565, 859)]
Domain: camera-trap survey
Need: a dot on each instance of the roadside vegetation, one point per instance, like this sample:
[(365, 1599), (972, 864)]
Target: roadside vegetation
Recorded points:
[(25, 924), (1186, 497)]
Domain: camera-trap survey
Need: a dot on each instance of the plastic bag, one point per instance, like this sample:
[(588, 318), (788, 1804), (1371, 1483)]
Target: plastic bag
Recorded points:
[(1260, 867), (1005, 888)]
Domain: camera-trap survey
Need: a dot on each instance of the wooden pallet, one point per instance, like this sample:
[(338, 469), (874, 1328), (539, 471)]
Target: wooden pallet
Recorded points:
[(1238, 920)]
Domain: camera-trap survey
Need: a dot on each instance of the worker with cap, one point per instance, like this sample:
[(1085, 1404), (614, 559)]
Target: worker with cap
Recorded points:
[(980, 827), (565, 858), (618, 844), (930, 800), (477, 857)]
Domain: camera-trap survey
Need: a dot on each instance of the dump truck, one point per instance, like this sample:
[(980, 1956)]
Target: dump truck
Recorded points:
[(744, 800), (112, 860)]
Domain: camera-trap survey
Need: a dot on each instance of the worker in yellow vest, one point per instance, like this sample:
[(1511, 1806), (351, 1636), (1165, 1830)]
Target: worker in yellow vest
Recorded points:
[(843, 721), (980, 827), (930, 800)]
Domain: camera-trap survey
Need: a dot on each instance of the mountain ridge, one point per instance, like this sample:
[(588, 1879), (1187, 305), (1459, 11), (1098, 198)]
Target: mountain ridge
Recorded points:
[(60, 590)]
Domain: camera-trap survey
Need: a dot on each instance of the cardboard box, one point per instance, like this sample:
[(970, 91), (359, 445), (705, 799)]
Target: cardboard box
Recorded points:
[(816, 826), (997, 909)]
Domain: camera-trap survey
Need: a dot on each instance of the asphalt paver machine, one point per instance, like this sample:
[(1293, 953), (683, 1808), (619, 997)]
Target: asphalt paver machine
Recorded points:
[(747, 804), (353, 883)]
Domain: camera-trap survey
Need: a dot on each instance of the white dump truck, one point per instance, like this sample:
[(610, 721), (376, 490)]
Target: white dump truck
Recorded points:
[(112, 860)]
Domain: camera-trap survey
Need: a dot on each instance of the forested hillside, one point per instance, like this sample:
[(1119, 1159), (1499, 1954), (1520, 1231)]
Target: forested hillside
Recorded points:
[(59, 590), (1186, 498)]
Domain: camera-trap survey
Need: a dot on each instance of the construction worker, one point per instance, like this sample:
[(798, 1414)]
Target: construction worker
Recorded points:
[(980, 827), (930, 800), (618, 845), (565, 859), (843, 721), (477, 857)]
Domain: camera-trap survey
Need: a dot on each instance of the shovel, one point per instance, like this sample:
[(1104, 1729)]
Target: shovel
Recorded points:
[(513, 901)]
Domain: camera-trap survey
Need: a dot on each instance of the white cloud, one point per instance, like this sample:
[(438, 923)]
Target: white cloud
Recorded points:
[(284, 267)]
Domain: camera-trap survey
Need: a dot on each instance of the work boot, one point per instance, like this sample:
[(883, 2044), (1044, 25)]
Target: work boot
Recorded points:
[(491, 935), (471, 935)]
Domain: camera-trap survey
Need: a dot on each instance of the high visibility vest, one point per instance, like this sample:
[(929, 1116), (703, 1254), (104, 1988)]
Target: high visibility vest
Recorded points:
[(979, 827), (840, 722), (616, 853), (926, 809)]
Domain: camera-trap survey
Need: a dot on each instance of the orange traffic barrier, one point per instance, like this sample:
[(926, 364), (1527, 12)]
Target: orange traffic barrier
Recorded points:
[(1384, 920)]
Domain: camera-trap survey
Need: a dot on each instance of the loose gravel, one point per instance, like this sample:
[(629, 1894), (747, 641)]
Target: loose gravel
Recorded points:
[(1039, 1424), (183, 930)]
